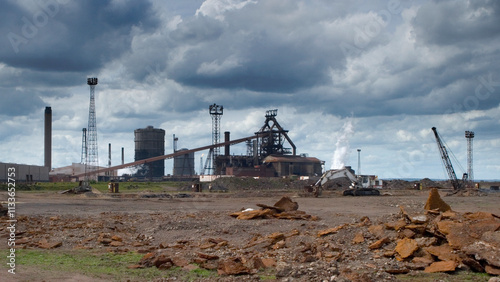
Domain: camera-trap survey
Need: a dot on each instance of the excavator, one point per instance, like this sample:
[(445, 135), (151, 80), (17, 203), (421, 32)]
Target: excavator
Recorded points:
[(357, 188)]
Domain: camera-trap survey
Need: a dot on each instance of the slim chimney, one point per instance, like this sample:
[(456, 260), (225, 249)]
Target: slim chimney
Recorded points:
[(227, 139), (123, 155), (48, 138), (109, 155)]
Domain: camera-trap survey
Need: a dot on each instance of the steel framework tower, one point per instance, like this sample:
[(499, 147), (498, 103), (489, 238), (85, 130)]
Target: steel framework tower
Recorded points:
[(216, 112), (92, 162), (469, 135), (84, 146)]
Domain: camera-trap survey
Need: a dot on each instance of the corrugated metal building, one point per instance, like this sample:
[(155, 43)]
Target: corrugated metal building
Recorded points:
[(24, 173), (294, 165)]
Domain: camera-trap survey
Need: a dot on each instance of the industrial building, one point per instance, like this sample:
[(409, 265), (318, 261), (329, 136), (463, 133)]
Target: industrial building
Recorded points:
[(67, 173), (268, 155), (24, 173), (184, 164), (150, 142)]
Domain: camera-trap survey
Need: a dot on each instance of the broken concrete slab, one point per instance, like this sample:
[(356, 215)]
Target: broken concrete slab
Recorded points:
[(406, 247), (379, 243), (441, 266), (435, 202), (286, 204), (443, 252), (232, 266), (484, 251)]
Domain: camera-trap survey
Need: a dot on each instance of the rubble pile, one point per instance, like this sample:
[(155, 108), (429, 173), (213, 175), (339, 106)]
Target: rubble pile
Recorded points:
[(435, 239), (285, 208), (439, 240), (442, 240)]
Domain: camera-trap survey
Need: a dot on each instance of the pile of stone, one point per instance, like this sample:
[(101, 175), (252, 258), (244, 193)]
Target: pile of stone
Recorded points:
[(285, 208), (442, 240)]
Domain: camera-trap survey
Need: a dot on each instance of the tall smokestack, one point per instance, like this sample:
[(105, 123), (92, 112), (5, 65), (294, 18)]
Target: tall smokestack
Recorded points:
[(123, 155), (48, 137), (109, 155), (227, 139)]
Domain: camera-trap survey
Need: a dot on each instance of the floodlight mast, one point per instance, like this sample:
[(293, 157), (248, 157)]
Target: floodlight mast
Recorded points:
[(92, 162)]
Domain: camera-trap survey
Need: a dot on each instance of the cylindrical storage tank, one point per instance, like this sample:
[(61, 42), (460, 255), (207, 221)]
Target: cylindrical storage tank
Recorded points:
[(184, 164), (150, 142)]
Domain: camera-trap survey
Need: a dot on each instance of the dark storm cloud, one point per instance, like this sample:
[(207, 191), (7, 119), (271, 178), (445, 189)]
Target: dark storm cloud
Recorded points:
[(268, 55), (19, 102), (70, 35), (455, 22)]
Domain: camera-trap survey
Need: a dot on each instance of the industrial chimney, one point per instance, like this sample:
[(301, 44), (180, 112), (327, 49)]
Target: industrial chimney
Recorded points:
[(48, 137)]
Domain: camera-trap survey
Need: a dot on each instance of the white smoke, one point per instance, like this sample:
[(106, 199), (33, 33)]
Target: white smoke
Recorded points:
[(132, 170), (342, 146)]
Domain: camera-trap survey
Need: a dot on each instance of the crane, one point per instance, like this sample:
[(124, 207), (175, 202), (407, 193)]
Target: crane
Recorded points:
[(457, 185)]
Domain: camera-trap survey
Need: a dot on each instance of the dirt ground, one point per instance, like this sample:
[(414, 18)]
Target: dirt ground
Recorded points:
[(185, 226)]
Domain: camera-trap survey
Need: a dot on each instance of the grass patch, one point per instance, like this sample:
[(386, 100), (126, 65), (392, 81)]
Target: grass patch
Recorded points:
[(125, 187), (105, 266), (444, 277)]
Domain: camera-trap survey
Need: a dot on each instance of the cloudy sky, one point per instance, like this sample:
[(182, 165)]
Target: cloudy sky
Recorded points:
[(391, 69)]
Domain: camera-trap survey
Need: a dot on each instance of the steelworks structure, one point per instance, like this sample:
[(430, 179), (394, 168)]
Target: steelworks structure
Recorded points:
[(150, 142), (273, 137), (92, 159), (184, 164), (216, 112), (84, 146), (48, 138), (281, 160), (469, 135)]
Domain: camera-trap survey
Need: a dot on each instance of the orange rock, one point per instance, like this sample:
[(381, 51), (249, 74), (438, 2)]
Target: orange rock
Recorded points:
[(479, 215), (441, 266), (486, 225), (458, 234), (407, 233), (492, 270), (423, 260), (378, 244), (443, 252), (178, 261), (286, 204), (116, 244), (435, 202), (396, 225), (116, 238), (232, 266), (359, 238), (208, 256), (46, 245), (255, 214), (406, 247), (331, 230), (268, 262), (377, 230)]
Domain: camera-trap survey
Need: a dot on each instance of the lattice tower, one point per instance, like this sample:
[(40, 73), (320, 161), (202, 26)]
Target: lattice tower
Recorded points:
[(92, 150)]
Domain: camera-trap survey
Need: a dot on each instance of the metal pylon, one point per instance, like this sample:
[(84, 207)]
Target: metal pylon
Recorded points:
[(92, 162)]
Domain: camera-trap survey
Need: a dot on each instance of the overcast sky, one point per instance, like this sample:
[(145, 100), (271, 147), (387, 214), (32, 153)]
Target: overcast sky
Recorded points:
[(393, 69)]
